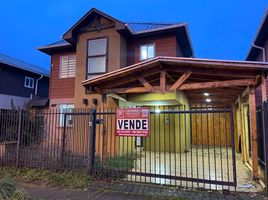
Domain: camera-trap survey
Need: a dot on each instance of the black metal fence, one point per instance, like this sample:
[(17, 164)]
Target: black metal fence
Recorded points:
[(262, 130), (44, 139), (188, 147)]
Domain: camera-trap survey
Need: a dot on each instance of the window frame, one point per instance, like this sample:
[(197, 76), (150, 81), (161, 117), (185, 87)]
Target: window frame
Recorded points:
[(61, 115), (29, 78), (147, 45), (60, 69), (96, 56)]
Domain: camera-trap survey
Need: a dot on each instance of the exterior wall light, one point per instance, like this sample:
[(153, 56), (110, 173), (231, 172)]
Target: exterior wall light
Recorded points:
[(208, 100), (206, 94), (157, 111)]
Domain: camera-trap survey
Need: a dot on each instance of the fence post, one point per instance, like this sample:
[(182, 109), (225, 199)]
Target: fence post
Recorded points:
[(63, 137), (19, 138), (233, 147), (92, 138)]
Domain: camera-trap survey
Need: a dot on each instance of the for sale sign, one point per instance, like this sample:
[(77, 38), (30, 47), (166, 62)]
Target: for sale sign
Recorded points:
[(133, 122)]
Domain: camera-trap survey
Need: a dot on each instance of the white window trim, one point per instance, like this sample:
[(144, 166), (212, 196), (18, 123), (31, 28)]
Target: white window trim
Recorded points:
[(146, 45), (67, 66), (30, 78)]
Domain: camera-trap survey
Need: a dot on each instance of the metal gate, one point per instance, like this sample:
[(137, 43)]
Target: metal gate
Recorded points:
[(191, 147)]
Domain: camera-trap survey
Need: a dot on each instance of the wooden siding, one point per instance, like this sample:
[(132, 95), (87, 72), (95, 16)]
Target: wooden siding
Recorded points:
[(60, 87), (12, 82), (165, 45), (211, 129)]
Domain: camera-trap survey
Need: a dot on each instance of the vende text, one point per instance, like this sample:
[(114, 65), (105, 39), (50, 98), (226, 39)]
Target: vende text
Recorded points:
[(132, 124)]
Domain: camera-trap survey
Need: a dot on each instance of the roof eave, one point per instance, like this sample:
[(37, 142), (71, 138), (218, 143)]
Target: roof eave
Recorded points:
[(260, 28)]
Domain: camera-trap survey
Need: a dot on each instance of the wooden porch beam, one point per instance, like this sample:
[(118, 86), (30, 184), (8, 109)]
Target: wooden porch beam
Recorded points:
[(263, 88), (217, 84), (145, 83), (127, 90), (180, 81), (163, 81), (253, 131), (214, 72)]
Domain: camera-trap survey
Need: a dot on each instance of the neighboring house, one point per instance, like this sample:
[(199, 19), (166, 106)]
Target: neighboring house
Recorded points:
[(259, 49), (99, 43), (21, 82)]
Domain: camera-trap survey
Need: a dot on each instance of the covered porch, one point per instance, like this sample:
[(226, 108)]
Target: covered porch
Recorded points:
[(192, 84)]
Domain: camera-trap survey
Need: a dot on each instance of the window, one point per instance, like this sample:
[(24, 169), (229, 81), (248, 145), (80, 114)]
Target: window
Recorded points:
[(67, 66), (97, 56), (147, 51), (66, 108), (29, 82)]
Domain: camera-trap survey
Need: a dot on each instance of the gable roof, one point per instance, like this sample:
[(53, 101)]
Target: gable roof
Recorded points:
[(260, 38), (84, 20), (131, 29), (13, 62)]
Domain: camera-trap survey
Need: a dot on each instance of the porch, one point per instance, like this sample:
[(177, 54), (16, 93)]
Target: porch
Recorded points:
[(200, 83)]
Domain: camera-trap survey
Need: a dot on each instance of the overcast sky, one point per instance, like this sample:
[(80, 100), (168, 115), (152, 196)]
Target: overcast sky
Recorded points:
[(219, 29)]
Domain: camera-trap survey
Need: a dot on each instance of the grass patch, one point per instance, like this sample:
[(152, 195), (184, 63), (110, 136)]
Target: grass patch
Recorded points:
[(65, 179), (121, 165), (9, 190)]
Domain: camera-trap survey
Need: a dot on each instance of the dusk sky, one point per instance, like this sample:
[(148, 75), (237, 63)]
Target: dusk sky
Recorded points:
[(218, 29)]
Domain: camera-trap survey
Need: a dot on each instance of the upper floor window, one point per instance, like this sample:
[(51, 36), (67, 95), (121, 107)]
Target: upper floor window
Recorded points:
[(67, 66), (147, 51), (29, 82), (97, 57)]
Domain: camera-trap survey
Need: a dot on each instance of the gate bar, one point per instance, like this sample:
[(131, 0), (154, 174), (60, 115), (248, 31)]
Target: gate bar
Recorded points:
[(92, 136)]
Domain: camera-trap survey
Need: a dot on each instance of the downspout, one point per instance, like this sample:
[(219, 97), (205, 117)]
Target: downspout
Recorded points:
[(36, 84), (263, 51)]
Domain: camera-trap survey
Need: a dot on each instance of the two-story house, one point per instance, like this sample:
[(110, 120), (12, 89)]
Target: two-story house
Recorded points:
[(104, 62), (99, 43), (21, 82)]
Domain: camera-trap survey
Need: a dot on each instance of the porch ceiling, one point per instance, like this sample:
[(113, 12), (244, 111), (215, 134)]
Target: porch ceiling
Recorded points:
[(223, 80)]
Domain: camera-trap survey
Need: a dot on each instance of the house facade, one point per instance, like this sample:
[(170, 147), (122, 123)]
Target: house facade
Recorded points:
[(21, 82), (105, 63), (99, 43)]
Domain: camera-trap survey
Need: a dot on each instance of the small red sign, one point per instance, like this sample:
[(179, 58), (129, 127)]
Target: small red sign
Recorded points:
[(133, 122)]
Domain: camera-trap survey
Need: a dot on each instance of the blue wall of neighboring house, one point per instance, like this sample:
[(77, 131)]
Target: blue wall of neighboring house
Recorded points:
[(12, 82)]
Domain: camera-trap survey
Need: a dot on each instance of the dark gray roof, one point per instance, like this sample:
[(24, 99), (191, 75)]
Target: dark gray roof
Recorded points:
[(38, 102), (138, 27), (13, 62), (56, 44)]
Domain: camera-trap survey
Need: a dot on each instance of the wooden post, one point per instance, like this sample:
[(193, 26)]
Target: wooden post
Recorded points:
[(235, 128), (163, 81), (242, 127), (263, 88), (253, 131)]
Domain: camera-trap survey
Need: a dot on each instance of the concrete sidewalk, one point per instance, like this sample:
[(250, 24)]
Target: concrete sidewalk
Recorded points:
[(131, 191)]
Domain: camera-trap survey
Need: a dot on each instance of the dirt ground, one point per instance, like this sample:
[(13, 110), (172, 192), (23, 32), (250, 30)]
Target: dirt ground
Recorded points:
[(125, 190)]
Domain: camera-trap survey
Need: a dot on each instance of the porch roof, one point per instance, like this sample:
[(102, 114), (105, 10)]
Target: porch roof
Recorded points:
[(223, 79)]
